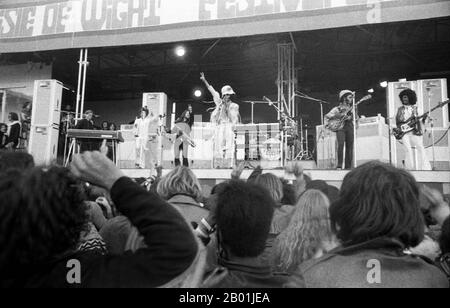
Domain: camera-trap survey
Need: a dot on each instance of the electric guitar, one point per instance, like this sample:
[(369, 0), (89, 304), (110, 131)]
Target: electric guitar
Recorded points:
[(402, 129), (178, 131), (338, 123)]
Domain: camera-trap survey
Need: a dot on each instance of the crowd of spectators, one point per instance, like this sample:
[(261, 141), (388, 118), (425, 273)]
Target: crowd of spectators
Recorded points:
[(380, 229)]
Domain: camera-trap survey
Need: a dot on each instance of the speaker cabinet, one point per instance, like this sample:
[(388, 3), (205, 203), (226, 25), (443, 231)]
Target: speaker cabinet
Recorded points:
[(45, 121)]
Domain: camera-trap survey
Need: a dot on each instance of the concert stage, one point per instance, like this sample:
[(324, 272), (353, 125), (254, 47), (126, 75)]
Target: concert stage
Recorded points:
[(209, 177)]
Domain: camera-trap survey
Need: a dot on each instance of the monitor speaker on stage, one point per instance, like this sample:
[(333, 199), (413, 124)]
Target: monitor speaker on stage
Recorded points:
[(156, 104), (45, 119)]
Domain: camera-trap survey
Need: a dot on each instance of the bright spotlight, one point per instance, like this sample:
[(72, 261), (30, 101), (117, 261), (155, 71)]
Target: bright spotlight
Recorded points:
[(384, 84), (371, 90), (180, 51), (198, 93)]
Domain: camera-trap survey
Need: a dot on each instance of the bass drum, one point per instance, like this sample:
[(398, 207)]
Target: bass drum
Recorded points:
[(271, 150)]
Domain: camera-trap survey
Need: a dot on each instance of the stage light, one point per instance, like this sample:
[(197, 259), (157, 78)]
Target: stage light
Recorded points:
[(371, 90), (197, 93), (180, 51), (384, 84)]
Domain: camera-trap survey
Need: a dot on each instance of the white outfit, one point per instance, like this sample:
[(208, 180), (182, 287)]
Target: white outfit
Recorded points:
[(224, 116), (410, 140), (413, 140), (142, 133)]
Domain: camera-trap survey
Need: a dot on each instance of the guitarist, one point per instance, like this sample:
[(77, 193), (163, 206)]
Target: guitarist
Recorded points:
[(345, 136), (407, 112)]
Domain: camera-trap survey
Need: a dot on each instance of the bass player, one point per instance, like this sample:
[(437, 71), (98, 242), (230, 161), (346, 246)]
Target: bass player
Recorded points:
[(345, 135), (405, 114)]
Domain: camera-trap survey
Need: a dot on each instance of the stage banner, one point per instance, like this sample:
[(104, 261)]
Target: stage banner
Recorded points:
[(21, 21)]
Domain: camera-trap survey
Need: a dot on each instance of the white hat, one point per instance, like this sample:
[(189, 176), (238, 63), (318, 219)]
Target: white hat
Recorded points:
[(344, 93), (227, 90)]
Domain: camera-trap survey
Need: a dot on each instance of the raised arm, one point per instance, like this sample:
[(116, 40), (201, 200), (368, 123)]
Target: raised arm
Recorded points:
[(211, 89), (171, 246)]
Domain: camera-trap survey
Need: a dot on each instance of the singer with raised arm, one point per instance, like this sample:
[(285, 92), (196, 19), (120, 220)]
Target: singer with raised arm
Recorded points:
[(143, 137), (340, 120), (224, 117), (87, 123)]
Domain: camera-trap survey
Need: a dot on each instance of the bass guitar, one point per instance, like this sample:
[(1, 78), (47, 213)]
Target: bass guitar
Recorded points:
[(402, 129), (338, 122)]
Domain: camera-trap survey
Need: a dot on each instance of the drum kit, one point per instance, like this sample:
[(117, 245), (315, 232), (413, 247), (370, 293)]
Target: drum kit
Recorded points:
[(293, 135)]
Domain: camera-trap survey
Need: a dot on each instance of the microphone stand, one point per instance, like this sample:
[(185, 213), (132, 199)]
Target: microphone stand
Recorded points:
[(322, 122)]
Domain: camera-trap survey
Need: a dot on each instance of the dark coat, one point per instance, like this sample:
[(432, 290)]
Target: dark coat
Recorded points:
[(171, 249), (350, 267)]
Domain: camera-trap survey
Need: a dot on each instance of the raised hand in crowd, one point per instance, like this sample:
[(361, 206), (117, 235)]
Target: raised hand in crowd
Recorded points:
[(95, 168), (439, 209), (237, 171)]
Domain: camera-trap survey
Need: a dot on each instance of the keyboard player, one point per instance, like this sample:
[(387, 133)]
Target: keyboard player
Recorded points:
[(88, 124)]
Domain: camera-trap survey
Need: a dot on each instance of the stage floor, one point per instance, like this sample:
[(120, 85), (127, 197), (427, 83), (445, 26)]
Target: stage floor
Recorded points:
[(210, 177)]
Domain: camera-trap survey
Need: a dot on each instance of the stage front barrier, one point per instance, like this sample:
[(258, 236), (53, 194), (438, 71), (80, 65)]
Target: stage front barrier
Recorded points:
[(372, 143), (430, 93)]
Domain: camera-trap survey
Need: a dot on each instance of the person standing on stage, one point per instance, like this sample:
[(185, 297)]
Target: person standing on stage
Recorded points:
[(13, 132), (142, 134), (345, 136), (224, 116), (87, 124), (182, 129), (405, 113)]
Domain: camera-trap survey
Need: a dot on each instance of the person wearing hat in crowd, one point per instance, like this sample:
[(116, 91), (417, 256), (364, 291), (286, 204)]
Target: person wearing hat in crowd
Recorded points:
[(88, 124), (405, 113), (345, 136), (224, 116)]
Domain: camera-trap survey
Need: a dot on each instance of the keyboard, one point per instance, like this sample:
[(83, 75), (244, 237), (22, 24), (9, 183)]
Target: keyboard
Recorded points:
[(95, 134)]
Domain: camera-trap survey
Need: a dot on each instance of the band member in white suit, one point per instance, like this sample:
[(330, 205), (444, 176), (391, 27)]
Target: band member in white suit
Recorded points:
[(142, 134), (225, 115), (405, 113)]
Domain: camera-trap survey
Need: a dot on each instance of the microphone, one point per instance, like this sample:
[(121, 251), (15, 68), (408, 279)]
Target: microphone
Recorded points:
[(268, 100)]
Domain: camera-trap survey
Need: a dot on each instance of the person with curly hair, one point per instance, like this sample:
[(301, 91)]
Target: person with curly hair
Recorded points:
[(308, 234), (43, 213), (407, 112)]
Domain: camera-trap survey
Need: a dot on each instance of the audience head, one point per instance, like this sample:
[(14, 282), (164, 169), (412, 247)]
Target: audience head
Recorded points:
[(308, 230), (3, 128), (105, 125), (330, 191), (42, 216), (15, 160), (244, 214), (180, 180), (378, 200), (13, 117), (273, 185), (289, 195)]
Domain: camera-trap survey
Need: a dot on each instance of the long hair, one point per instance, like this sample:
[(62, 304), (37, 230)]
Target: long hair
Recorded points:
[(444, 239), (273, 185), (412, 96), (42, 215), (182, 118), (14, 116), (378, 200), (180, 180), (308, 229)]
